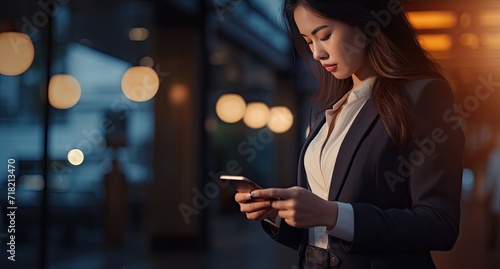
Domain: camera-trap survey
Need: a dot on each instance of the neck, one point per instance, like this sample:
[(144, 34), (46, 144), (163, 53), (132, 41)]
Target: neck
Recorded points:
[(365, 71)]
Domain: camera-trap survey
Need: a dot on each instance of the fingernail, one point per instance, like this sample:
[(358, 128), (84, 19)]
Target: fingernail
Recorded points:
[(249, 196), (252, 194)]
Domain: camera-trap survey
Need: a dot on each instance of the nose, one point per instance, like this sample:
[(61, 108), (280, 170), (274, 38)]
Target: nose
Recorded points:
[(319, 53)]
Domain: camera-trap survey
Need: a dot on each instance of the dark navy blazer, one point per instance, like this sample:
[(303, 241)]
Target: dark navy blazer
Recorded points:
[(406, 202)]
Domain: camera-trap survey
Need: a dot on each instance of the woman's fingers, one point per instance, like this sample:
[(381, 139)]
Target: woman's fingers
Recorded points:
[(271, 193), (242, 197), (277, 193), (255, 206), (262, 214), (259, 215)]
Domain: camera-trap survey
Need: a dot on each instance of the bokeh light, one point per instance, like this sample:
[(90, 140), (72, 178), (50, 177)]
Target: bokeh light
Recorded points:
[(281, 119), (489, 18), (147, 61), (16, 53), (230, 108), (470, 40), (436, 42), (75, 157), (140, 83), (468, 180), (138, 34), (465, 20), (64, 91), (432, 19), (178, 94), (257, 115)]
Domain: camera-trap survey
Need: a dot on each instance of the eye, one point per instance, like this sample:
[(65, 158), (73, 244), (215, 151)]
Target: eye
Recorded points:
[(326, 37), (309, 43)]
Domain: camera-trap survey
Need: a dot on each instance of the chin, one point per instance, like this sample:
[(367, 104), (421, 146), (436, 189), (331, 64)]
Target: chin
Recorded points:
[(340, 76)]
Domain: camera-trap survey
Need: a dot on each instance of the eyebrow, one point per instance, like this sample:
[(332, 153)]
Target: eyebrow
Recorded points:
[(317, 29)]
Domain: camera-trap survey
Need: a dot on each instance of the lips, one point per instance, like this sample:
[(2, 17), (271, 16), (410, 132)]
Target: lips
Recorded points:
[(330, 68)]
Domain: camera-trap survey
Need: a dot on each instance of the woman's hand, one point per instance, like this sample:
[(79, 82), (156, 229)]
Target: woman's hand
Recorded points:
[(255, 209), (299, 207)]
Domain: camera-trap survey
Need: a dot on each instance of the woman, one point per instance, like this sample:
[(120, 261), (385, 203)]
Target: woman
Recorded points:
[(379, 176)]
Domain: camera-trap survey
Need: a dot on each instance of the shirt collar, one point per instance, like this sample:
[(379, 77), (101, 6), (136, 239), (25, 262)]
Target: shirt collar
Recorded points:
[(363, 89)]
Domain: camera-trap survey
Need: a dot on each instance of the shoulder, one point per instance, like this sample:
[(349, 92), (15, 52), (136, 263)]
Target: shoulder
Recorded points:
[(430, 97), (422, 91), (432, 105)]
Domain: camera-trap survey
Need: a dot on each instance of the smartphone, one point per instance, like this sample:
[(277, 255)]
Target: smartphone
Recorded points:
[(240, 183), (243, 184)]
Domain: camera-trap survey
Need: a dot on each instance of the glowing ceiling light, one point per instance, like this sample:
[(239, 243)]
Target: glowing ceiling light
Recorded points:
[(436, 42), (75, 157), (489, 18), (491, 41), (281, 119), (432, 19), (230, 108), (64, 91), (16, 53), (140, 83), (257, 115)]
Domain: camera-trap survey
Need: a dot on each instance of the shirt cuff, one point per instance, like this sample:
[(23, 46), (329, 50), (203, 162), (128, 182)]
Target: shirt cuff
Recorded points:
[(277, 221), (274, 226), (344, 228)]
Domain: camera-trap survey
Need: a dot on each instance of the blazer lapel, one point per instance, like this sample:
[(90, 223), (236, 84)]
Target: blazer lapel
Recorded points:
[(301, 175), (365, 118)]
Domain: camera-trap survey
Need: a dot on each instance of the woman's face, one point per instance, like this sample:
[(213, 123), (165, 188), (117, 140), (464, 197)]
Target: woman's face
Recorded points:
[(335, 44)]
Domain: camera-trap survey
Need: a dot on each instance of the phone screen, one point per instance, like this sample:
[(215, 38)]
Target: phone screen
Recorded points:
[(245, 185), (240, 183)]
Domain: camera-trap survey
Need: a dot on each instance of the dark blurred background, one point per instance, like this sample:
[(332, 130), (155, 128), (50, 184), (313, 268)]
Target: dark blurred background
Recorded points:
[(146, 107)]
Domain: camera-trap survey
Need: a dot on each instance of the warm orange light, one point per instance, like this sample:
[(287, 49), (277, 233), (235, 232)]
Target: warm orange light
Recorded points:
[(469, 40), (436, 42), (178, 94), (489, 18), (16, 53), (64, 91), (491, 41), (256, 115), (465, 20), (230, 108), (281, 119), (140, 83), (432, 19)]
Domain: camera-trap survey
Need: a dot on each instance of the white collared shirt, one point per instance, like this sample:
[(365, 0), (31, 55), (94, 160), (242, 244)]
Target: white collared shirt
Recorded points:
[(321, 155)]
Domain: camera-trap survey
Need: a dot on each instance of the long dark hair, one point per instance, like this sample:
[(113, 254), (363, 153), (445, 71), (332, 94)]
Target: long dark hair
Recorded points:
[(392, 49)]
